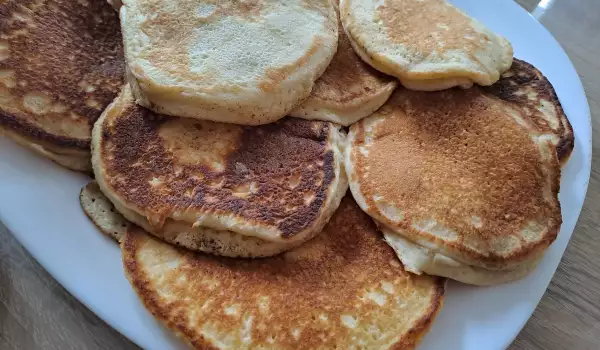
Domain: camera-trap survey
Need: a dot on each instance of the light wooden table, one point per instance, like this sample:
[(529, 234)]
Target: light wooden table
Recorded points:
[(37, 313)]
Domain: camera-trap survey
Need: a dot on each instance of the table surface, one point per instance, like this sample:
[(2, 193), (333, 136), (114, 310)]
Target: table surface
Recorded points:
[(37, 313)]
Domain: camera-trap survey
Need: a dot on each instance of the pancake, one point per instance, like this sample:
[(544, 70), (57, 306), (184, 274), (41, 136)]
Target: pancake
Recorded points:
[(348, 91), (113, 224), (61, 63), (526, 87), (342, 289), (242, 62), (418, 259), (428, 45), (279, 182), (102, 212), (460, 173)]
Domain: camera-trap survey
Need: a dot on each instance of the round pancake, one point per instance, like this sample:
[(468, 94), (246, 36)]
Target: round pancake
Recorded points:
[(428, 44), (242, 62), (278, 182), (223, 243), (61, 63), (348, 91), (344, 288), (418, 259), (458, 172), (526, 87)]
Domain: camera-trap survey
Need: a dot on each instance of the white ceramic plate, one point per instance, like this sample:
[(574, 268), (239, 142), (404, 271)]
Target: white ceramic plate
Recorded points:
[(39, 204)]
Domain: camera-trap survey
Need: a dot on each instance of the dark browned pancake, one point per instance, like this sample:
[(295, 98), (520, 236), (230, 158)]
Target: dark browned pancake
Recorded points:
[(526, 87), (61, 64), (342, 289), (278, 182)]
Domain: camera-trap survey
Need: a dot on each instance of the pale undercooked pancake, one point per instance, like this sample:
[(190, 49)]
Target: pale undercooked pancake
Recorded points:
[(526, 87), (278, 183), (348, 91), (428, 44), (242, 62), (343, 289), (61, 63), (461, 173)]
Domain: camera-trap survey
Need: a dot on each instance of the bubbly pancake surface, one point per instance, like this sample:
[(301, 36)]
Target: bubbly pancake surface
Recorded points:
[(279, 182), (459, 172), (428, 44), (61, 63), (343, 288), (526, 87), (243, 62), (349, 89)]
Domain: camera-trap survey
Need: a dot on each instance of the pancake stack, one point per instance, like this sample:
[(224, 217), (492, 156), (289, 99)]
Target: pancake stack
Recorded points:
[(222, 165)]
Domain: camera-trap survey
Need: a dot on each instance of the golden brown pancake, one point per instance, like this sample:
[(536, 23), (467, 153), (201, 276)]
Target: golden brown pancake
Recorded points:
[(278, 182), (61, 64), (344, 288), (526, 87), (349, 90), (458, 172), (428, 45)]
